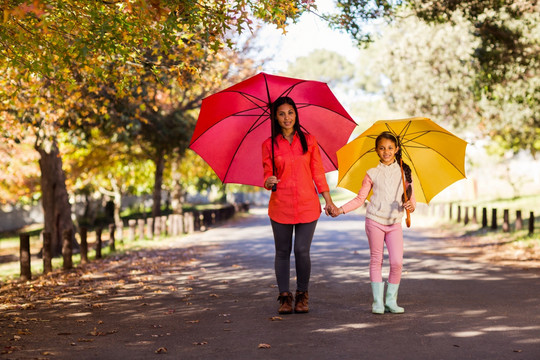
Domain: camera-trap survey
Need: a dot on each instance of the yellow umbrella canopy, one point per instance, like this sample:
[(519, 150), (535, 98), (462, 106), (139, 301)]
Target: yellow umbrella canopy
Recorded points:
[(435, 155)]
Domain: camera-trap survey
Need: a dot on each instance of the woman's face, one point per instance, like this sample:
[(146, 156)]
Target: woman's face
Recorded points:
[(286, 117), (386, 149)]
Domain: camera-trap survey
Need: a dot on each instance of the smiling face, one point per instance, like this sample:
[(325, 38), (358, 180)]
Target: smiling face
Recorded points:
[(286, 117), (386, 149)]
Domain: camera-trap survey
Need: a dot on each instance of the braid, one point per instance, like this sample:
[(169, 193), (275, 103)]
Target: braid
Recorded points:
[(408, 174)]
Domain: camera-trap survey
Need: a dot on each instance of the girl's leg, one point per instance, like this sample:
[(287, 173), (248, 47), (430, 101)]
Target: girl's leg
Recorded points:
[(375, 236), (394, 244), (282, 261), (302, 244)]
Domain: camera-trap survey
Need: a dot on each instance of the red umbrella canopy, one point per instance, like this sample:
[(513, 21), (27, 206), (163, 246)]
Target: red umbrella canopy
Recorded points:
[(234, 122)]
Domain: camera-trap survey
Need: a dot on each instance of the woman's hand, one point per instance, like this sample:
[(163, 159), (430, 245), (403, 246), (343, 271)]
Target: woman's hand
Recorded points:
[(271, 181), (409, 206), (330, 209)]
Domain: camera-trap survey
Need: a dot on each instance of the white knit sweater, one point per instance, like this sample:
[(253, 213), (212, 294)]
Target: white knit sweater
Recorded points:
[(385, 206)]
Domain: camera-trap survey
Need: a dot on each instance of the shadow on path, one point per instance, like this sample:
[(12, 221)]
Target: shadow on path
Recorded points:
[(212, 295)]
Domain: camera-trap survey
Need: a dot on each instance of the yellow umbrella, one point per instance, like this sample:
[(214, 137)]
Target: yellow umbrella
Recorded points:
[(435, 155)]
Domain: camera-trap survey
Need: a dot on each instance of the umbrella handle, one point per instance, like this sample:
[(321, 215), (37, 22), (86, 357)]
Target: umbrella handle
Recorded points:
[(274, 187), (408, 219)]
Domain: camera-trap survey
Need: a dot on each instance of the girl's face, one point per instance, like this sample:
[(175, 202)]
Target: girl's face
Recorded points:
[(386, 149), (286, 117)]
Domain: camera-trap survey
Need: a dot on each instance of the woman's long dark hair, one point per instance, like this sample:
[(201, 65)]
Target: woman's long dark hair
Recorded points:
[(406, 168), (277, 129)]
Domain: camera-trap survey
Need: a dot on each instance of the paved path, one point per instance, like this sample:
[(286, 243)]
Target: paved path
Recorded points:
[(221, 304)]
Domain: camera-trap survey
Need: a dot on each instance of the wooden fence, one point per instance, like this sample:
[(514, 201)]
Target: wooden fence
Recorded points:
[(149, 228), (488, 218)]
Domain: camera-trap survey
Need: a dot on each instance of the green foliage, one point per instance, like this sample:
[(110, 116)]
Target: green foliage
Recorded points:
[(322, 65), (498, 85)]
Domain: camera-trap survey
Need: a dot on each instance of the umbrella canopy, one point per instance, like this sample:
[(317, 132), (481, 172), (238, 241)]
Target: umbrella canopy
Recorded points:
[(234, 122), (436, 156)]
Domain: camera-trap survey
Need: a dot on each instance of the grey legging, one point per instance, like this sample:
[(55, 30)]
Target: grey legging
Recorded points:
[(302, 244)]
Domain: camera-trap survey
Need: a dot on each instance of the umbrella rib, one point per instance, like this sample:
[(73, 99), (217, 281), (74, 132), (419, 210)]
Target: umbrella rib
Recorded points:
[(304, 105), (321, 148)]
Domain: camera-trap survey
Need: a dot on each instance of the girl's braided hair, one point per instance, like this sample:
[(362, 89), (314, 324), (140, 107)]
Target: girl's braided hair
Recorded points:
[(406, 168)]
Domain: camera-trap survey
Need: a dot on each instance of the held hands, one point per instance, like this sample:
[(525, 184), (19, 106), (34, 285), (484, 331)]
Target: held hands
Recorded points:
[(332, 210)]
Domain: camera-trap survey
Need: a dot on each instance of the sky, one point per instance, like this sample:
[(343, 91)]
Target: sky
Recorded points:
[(309, 34)]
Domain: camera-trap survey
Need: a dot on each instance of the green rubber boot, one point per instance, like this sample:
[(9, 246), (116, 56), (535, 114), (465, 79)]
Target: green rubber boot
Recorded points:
[(378, 293), (391, 300)]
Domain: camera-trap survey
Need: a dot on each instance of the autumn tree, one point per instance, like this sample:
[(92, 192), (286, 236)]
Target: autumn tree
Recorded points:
[(52, 48)]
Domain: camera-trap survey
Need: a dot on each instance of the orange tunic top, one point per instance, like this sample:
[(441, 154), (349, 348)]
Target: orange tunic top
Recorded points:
[(301, 176)]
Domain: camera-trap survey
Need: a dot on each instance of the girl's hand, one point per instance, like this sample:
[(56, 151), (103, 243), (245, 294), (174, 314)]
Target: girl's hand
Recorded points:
[(409, 206)]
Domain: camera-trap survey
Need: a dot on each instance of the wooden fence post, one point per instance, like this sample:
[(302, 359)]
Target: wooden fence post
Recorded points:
[(494, 219), (67, 249), (519, 220), (157, 226), (466, 218), (459, 213), (140, 224), (120, 232), (112, 244), (47, 255), (99, 230), (24, 258), (450, 211), (506, 220), (131, 224), (150, 228), (84, 245), (474, 219), (163, 225), (484, 218), (531, 223)]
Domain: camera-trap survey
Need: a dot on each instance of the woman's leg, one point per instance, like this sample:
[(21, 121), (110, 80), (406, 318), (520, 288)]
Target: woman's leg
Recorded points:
[(282, 260), (394, 244), (375, 235), (302, 245)]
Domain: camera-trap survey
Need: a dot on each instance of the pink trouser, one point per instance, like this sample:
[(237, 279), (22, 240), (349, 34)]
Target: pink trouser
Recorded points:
[(392, 235)]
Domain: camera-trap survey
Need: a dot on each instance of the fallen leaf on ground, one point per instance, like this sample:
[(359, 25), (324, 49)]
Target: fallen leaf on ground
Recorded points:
[(200, 343), (276, 318), (161, 350), (264, 346), (84, 340), (192, 321)]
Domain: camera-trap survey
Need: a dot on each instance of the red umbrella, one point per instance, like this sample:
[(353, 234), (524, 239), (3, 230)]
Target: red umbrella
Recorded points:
[(234, 122)]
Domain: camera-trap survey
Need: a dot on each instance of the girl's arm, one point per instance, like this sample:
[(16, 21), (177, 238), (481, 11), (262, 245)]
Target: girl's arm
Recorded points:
[(360, 199)]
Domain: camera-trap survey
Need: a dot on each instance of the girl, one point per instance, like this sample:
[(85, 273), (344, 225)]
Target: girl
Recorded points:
[(294, 205), (383, 219)]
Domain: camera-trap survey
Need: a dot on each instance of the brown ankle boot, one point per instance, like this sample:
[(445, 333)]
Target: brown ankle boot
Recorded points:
[(285, 299), (301, 302)]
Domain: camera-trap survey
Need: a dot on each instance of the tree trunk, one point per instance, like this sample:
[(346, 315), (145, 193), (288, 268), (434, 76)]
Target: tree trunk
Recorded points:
[(158, 181), (55, 199)]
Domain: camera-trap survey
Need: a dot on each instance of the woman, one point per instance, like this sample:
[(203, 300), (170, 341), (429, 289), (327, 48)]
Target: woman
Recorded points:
[(383, 219), (292, 163)]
